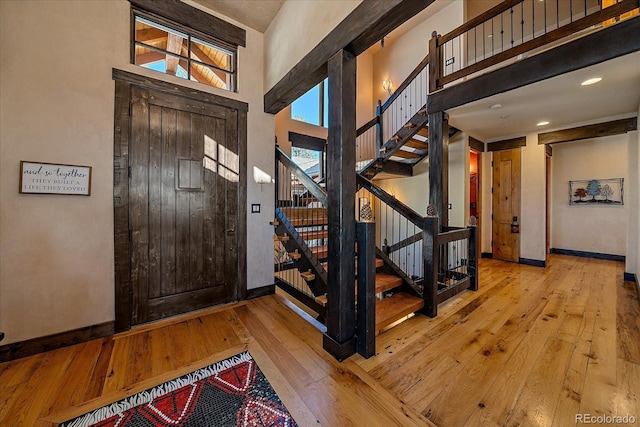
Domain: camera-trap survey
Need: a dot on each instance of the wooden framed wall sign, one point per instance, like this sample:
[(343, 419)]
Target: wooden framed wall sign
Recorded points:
[(52, 178)]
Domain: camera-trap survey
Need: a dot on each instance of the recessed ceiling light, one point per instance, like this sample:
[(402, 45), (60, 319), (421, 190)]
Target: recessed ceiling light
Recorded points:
[(496, 106), (591, 81), (504, 116), (490, 35), (543, 123)]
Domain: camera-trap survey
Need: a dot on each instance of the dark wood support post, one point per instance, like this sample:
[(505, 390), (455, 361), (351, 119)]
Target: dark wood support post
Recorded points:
[(439, 165), (339, 340), (379, 141), (366, 239), (472, 262), (435, 63), (430, 259)]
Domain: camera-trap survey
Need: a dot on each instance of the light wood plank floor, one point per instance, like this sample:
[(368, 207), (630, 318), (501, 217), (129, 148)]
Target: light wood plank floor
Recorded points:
[(532, 347)]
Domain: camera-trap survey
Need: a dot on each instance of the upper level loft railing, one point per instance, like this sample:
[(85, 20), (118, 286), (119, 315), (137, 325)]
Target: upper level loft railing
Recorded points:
[(513, 28), (392, 116)]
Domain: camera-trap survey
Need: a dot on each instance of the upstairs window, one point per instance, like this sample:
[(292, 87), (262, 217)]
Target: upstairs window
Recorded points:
[(313, 106), (172, 49)]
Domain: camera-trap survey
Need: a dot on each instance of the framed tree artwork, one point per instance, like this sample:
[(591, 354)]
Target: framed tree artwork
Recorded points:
[(596, 192)]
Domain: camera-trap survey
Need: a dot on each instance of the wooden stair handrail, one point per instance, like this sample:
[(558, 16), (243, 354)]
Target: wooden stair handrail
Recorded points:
[(489, 14), (557, 34), (396, 204), (315, 189), (453, 235), (405, 83), (365, 127)]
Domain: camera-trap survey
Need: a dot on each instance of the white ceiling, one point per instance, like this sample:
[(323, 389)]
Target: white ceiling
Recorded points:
[(561, 100), (256, 14)]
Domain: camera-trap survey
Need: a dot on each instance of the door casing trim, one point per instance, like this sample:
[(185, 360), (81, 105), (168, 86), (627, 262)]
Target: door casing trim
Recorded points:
[(122, 123)]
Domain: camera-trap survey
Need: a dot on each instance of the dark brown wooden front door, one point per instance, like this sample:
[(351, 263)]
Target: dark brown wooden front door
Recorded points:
[(506, 204), (183, 205)]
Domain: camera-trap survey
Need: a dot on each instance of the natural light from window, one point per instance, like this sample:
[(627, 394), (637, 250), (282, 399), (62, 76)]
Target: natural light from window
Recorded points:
[(311, 107), (161, 48)]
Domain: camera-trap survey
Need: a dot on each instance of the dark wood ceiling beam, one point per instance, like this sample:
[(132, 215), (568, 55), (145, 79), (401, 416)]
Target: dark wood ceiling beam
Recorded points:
[(507, 144), (367, 24), (615, 127), (606, 44), (476, 144), (195, 19)]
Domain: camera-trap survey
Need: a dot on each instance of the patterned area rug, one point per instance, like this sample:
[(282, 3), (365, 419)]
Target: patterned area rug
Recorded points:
[(233, 392)]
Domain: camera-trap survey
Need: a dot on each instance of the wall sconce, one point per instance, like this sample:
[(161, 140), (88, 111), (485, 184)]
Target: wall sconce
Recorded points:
[(387, 85)]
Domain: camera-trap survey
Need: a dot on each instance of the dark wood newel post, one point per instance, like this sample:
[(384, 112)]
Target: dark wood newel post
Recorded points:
[(472, 262), (379, 141), (340, 340), (435, 63), (439, 165), (430, 259), (366, 331)]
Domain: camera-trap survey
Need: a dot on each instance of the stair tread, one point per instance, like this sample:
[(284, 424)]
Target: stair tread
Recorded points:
[(424, 132), (321, 251), (304, 212), (385, 281), (417, 144), (308, 222), (314, 234), (394, 308), (406, 154), (308, 276)]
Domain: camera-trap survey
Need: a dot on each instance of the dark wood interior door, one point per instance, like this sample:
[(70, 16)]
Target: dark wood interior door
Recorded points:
[(506, 204), (183, 205)]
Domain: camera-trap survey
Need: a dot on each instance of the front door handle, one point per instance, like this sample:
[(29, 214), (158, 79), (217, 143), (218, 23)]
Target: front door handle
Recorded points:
[(230, 231)]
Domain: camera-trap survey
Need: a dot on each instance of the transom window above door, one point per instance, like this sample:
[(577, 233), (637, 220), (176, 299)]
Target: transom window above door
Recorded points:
[(158, 45)]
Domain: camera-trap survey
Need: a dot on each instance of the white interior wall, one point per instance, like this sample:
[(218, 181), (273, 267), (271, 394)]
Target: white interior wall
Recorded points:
[(600, 229), (395, 62), (401, 56), (56, 105), (297, 28), (413, 191), (458, 180)]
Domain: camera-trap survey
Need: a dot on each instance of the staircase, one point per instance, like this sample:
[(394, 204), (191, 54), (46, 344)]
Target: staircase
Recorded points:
[(300, 238), (415, 265)]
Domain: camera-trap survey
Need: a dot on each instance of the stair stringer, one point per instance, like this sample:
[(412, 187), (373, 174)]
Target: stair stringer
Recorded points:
[(419, 120), (411, 285)]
